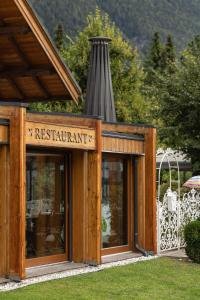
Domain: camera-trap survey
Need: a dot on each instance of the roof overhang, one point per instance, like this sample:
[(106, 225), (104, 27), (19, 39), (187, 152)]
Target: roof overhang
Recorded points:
[(30, 67)]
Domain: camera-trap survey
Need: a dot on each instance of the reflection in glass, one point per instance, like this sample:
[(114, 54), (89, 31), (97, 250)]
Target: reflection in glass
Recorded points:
[(114, 202), (45, 205)]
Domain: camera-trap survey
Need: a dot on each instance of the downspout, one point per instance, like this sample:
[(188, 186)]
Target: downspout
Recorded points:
[(136, 242)]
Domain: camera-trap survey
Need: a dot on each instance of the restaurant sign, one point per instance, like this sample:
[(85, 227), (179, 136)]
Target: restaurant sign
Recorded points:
[(51, 135)]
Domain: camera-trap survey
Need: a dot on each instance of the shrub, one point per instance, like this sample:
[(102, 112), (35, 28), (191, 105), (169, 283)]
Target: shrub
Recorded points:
[(192, 239)]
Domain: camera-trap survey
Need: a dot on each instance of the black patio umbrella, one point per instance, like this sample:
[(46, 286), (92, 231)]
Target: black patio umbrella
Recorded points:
[(99, 95)]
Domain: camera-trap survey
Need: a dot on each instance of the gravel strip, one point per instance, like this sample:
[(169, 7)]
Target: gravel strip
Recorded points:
[(13, 285)]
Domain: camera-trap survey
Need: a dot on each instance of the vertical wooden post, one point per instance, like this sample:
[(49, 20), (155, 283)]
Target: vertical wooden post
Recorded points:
[(4, 201), (17, 193), (150, 190), (79, 179), (93, 255), (141, 202)]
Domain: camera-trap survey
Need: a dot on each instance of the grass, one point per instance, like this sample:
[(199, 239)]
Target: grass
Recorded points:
[(156, 279)]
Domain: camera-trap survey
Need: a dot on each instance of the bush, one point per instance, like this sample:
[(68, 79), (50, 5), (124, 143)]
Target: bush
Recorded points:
[(192, 239)]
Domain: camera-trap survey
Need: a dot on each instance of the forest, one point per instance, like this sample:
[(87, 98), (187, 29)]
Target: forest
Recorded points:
[(137, 19), (161, 88)]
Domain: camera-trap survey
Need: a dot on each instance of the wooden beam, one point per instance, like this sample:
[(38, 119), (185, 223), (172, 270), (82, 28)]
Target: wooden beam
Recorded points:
[(43, 39), (34, 99), (141, 202), (41, 86), (79, 197), (4, 139), (2, 23), (14, 30), (25, 72), (17, 216), (62, 119), (16, 87), (150, 190), (20, 53), (26, 61), (93, 247), (4, 210)]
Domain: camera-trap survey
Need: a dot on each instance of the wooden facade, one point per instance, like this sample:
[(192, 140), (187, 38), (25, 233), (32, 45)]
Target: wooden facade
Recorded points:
[(86, 187), (30, 70)]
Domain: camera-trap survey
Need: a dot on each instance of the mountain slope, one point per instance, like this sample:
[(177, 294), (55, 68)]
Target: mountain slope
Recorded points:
[(137, 19)]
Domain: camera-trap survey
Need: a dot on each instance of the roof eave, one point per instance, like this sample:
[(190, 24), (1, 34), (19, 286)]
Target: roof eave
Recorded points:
[(48, 47)]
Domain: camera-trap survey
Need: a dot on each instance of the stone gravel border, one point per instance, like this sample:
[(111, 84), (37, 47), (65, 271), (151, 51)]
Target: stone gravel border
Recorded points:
[(89, 269)]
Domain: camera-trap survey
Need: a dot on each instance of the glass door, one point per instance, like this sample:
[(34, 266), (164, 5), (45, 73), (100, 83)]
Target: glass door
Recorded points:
[(46, 209), (115, 204)]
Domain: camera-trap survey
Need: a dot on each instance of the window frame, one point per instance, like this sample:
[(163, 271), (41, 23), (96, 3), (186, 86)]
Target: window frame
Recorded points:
[(129, 246), (31, 262)]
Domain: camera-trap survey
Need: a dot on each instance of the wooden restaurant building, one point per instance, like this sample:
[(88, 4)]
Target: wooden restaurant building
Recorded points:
[(73, 188)]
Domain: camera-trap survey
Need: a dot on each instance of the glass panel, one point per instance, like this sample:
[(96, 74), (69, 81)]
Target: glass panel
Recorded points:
[(45, 205), (114, 202)]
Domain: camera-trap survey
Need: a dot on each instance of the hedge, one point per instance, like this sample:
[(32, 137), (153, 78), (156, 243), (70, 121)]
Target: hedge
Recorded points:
[(192, 239)]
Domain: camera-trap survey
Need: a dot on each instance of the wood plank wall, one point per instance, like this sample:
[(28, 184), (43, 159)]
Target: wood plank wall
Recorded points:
[(150, 240), (61, 119), (87, 175), (93, 247), (118, 145)]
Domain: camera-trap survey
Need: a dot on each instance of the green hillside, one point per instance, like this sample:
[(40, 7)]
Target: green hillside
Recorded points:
[(137, 19)]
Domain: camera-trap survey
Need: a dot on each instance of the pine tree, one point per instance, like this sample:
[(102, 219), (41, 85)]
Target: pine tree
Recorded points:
[(179, 96), (160, 63), (168, 56), (192, 51), (161, 57), (170, 50), (154, 59), (59, 36)]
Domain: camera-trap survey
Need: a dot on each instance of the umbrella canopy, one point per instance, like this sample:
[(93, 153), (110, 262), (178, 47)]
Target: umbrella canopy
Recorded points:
[(193, 182)]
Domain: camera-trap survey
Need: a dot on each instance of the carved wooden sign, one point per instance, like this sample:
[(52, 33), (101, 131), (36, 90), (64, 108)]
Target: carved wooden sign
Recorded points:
[(43, 134)]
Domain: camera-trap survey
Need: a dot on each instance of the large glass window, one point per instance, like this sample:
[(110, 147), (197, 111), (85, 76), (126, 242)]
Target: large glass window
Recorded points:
[(114, 201), (45, 205)]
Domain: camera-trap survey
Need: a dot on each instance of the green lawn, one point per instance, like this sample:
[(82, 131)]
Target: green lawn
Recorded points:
[(156, 279)]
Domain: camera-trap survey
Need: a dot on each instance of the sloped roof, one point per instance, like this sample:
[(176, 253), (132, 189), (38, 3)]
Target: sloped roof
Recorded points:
[(30, 66), (173, 157)]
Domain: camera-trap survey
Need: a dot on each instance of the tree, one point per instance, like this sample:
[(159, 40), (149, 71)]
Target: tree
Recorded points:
[(168, 55), (154, 58), (161, 57), (59, 36), (193, 47), (127, 75), (180, 105), (170, 50), (160, 62)]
